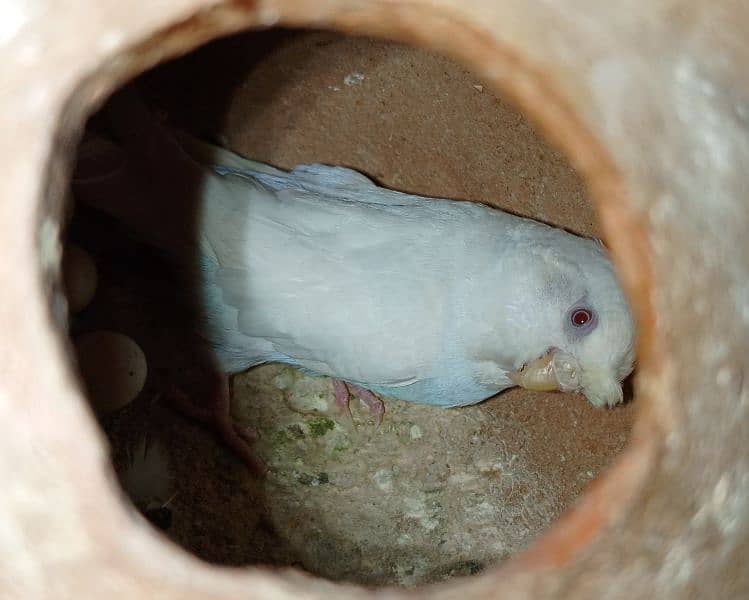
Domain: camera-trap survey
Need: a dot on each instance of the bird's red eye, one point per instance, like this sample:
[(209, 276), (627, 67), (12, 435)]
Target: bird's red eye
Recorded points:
[(580, 317)]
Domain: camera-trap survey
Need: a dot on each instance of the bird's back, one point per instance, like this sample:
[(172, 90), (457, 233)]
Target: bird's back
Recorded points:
[(345, 281)]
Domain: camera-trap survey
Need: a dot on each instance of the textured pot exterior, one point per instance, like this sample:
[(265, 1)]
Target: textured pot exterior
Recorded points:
[(650, 102)]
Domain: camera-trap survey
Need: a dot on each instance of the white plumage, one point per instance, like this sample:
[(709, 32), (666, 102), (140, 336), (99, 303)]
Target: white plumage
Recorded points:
[(427, 300)]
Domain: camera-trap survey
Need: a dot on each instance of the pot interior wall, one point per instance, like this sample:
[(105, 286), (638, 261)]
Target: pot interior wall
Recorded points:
[(430, 493)]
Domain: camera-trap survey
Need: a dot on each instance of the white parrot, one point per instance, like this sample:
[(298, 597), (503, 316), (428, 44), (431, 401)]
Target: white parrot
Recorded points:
[(427, 300)]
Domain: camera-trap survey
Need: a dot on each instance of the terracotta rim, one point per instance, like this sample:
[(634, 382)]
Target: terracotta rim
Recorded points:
[(609, 497)]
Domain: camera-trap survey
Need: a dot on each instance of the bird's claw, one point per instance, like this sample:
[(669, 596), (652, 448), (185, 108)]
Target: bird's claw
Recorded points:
[(343, 392), (218, 417)]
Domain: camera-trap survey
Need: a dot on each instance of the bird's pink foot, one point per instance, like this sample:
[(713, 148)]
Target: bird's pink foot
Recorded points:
[(343, 392), (217, 415)]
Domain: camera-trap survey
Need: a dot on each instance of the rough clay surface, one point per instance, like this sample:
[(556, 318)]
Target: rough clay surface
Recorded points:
[(648, 98), (431, 493)]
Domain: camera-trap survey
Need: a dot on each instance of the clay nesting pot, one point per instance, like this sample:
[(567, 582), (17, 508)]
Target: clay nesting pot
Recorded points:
[(647, 100)]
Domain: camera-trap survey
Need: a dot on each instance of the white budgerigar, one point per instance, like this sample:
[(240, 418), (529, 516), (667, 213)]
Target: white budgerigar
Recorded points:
[(427, 300)]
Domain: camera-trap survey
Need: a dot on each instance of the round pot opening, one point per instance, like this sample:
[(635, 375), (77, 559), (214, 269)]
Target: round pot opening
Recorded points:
[(429, 494)]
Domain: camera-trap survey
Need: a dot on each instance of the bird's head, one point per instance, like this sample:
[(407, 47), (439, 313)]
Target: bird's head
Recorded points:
[(585, 340)]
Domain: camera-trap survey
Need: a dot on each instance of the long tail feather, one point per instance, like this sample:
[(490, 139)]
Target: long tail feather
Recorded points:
[(138, 173)]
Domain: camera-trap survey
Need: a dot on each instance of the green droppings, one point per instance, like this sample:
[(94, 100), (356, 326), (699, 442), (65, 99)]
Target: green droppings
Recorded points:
[(283, 437), (312, 480), (295, 431), (319, 426), (280, 438)]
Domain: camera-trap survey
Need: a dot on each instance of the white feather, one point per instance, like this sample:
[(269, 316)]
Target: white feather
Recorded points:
[(147, 478)]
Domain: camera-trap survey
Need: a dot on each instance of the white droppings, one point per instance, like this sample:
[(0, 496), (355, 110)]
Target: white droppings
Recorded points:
[(413, 573), (415, 432), (481, 512), (404, 539), (313, 403), (302, 394), (354, 78), (283, 380), (417, 509), (486, 466), (461, 479), (384, 480)]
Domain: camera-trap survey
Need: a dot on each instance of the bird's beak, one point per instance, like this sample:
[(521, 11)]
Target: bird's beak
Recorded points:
[(555, 370)]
